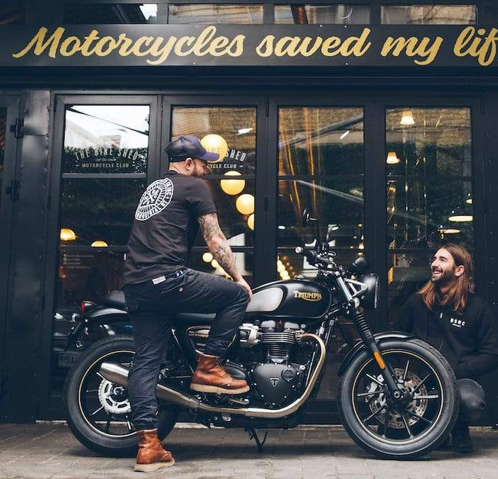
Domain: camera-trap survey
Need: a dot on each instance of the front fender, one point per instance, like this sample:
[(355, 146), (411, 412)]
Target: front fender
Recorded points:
[(359, 347)]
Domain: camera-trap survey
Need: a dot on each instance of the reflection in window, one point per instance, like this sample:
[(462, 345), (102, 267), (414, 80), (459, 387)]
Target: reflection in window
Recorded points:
[(12, 15), (138, 13), (325, 14), (429, 192), (215, 14), (429, 15), (105, 139), (316, 143), (230, 132), (204, 261)]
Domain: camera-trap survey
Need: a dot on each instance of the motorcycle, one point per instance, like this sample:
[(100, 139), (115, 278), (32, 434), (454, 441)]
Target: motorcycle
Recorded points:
[(397, 395)]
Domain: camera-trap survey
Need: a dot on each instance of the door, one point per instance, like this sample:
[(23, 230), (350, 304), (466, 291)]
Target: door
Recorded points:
[(9, 111)]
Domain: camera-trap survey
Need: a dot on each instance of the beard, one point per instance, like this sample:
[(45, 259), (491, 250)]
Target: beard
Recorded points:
[(441, 277)]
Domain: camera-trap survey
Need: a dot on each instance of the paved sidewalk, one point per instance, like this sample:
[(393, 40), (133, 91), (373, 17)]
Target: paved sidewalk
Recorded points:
[(48, 450)]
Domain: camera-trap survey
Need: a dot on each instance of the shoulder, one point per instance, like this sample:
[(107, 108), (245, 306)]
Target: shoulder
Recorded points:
[(476, 303), (415, 300)]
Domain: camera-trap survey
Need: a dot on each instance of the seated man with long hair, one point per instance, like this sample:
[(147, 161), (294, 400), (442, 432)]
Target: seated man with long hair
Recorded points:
[(446, 314)]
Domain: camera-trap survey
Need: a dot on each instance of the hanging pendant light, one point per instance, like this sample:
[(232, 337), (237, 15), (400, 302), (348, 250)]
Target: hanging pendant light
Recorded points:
[(392, 158), (232, 187), (250, 222), (99, 244), (207, 257), (245, 204), (407, 118), (67, 234)]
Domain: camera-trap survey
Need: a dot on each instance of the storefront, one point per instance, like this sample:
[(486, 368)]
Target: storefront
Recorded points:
[(379, 115)]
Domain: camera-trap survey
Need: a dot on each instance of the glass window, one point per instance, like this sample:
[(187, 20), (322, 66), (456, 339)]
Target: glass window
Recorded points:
[(138, 13), (429, 192), (321, 167), (104, 166), (215, 13), (429, 15), (3, 129), (325, 14), (12, 15), (231, 132)]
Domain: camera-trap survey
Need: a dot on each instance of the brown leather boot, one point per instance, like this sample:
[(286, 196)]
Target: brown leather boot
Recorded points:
[(151, 454), (211, 377)]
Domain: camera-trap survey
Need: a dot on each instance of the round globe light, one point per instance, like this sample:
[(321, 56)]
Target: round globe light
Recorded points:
[(245, 204), (215, 264), (215, 144), (232, 187), (207, 257), (250, 221)]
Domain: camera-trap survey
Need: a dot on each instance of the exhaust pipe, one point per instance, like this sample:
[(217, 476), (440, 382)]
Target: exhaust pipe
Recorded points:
[(119, 375)]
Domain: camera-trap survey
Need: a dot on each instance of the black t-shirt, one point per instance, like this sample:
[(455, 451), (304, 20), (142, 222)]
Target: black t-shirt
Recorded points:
[(165, 226)]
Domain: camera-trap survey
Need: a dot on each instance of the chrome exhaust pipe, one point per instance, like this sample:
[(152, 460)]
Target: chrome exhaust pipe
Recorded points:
[(119, 375)]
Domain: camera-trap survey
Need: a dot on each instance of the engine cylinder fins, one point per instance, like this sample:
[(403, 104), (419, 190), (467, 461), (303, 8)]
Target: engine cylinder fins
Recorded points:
[(288, 337)]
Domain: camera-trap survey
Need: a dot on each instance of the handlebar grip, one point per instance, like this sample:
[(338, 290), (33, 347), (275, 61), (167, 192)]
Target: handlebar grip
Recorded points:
[(309, 254)]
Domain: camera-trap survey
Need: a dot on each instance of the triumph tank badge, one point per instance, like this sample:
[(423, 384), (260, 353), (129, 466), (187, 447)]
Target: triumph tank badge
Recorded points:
[(274, 381), (307, 296)]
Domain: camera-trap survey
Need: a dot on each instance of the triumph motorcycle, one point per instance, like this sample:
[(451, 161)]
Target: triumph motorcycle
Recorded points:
[(397, 395)]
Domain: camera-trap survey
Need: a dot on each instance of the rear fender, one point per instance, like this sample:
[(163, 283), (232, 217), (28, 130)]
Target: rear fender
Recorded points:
[(360, 347)]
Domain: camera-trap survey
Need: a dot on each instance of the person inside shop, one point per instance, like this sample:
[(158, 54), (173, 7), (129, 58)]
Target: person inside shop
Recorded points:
[(448, 315), (158, 285)]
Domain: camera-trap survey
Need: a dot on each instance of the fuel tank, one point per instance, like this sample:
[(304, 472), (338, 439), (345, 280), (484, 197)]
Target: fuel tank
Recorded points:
[(292, 298)]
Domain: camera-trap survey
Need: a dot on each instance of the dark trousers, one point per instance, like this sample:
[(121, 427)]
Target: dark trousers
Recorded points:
[(152, 307), (472, 402)]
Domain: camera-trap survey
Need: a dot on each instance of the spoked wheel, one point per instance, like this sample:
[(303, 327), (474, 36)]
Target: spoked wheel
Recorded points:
[(406, 429), (98, 411)]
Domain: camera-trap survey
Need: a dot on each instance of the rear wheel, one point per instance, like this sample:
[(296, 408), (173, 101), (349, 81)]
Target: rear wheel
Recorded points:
[(399, 431), (98, 411)]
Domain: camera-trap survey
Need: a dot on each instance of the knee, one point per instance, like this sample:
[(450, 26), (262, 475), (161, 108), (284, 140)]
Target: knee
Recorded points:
[(472, 400)]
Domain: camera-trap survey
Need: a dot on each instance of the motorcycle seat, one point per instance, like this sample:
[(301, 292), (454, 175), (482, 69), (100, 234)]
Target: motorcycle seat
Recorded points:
[(115, 299), (192, 319)]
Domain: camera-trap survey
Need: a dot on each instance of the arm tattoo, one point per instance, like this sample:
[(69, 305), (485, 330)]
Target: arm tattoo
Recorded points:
[(217, 243)]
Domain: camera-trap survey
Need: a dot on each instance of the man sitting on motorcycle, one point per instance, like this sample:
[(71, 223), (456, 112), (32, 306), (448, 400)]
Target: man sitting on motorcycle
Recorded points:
[(447, 315), (158, 285)]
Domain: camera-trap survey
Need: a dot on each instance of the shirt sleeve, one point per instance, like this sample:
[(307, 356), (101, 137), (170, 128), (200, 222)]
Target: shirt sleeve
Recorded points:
[(404, 322), (200, 198), (486, 357)]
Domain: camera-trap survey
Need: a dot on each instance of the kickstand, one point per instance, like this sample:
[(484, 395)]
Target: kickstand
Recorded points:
[(253, 434)]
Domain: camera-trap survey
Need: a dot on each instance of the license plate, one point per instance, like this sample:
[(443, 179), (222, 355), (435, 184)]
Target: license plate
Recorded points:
[(67, 359)]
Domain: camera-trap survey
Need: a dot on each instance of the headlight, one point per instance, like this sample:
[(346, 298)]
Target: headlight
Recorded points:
[(370, 297)]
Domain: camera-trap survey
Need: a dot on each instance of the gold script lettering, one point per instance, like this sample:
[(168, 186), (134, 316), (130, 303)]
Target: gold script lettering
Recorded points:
[(40, 45), (484, 51), (413, 47)]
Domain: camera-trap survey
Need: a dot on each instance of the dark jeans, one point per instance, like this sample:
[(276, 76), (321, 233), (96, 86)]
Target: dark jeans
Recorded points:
[(152, 307), (472, 402)]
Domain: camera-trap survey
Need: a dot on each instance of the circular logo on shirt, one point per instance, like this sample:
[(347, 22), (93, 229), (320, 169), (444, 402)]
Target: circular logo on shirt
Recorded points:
[(155, 198)]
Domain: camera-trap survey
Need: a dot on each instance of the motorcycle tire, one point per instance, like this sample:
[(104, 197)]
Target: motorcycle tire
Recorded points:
[(90, 436), (390, 448)]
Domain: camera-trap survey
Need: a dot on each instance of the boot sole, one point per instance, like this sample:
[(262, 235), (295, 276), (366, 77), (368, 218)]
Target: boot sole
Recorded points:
[(214, 389), (153, 467)]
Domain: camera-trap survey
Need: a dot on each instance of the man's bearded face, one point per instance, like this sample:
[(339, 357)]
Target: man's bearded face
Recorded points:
[(443, 268)]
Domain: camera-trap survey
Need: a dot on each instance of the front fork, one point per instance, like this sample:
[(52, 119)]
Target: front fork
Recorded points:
[(358, 318)]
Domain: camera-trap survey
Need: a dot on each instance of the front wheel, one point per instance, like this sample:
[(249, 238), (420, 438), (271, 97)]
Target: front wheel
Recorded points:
[(392, 430)]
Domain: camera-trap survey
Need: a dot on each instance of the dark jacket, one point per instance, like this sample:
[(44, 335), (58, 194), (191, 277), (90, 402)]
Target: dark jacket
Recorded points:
[(469, 342)]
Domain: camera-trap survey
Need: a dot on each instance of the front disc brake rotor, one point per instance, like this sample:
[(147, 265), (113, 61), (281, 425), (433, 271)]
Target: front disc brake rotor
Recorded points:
[(113, 398), (416, 406)]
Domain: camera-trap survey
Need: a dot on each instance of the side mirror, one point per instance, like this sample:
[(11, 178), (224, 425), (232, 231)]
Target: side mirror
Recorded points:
[(307, 220), (306, 217)]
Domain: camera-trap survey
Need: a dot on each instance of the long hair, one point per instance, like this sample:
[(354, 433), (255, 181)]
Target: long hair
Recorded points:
[(458, 293)]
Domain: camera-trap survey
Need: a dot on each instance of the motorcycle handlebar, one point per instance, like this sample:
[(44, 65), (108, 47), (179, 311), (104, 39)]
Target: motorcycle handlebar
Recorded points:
[(312, 256)]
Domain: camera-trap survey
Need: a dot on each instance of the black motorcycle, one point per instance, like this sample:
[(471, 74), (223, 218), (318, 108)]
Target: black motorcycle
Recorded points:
[(397, 395)]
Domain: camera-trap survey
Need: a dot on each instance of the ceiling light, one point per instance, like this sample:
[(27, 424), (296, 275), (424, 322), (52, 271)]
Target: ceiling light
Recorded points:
[(346, 133), (67, 234), (245, 204), (449, 231), (99, 244), (244, 131), (461, 218), (392, 158), (281, 227), (407, 118), (232, 187), (250, 222), (207, 257)]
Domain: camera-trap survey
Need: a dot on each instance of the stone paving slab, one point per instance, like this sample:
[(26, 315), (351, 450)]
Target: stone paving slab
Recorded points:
[(49, 450)]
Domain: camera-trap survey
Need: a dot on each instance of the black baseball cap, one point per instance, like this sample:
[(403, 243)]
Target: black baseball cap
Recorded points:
[(189, 147)]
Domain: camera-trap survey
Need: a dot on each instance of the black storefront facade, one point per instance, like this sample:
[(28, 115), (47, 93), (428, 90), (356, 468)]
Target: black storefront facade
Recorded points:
[(388, 131)]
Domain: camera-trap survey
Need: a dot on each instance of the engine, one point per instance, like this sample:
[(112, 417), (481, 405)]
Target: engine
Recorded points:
[(277, 379)]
